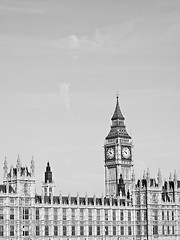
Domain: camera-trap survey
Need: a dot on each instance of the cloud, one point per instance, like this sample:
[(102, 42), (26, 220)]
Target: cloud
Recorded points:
[(64, 89)]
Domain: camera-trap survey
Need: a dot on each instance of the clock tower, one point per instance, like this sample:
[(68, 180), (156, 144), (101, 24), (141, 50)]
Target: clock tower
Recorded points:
[(118, 157)]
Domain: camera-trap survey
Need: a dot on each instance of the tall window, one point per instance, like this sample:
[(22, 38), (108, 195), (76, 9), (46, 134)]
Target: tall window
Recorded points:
[(145, 215), (73, 231), (173, 230), (64, 215), (122, 216), (1, 201), (90, 214), (11, 215), (46, 230), (73, 214), (82, 230), (167, 215), (129, 216), (138, 216), (172, 215), (162, 215), (37, 231), (155, 229), (25, 230), (114, 215), (114, 230), (106, 214), (98, 230), (138, 229), (37, 213), (122, 230), (55, 230), (106, 230), (129, 230), (11, 230), (55, 214), (163, 232), (90, 230), (1, 230), (25, 213), (155, 215), (98, 214), (1, 213), (64, 231), (168, 230), (46, 215), (81, 214)]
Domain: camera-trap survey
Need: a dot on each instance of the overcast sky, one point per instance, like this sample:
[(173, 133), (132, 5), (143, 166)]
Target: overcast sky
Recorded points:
[(61, 64)]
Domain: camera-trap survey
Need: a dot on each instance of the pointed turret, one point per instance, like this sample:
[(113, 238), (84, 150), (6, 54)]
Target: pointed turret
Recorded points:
[(118, 128), (117, 113), (5, 168), (48, 174), (32, 167)]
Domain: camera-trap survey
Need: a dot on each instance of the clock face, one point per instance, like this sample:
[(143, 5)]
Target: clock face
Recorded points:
[(110, 153), (126, 152)]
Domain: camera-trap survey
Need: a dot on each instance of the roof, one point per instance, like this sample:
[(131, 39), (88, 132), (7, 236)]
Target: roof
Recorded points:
[(117, 113)]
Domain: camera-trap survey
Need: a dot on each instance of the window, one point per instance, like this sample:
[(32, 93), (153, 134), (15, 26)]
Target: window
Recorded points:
[(106, 214), (26, 213), (55, 214), (98, 214), (138, 200), (37, 231), (172, 230), (1, 213), (155, 229), (46, 214), (172, 215), (73, 214), (12, 201), (90, 214), (114, 230), (167, 215), (163, 232), (145, 229), (129, 230), (64, 215), (73, 231), (46, 230), (138, 216), (114, 215), (11, 230), (1, 230), (37, 213), (155, 215), (98, 230), (1, 201), (122, 216), (11, 215), (168, 230), (81, 214), (122, 230), (129, 216), (55, 230), (145, 215), (138, 229), (25, 230), (64, 231), (106, 230), (82, 230), (162, 215), (90, 230)]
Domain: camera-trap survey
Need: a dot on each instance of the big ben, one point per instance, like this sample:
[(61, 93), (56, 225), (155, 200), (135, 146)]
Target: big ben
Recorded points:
[(118, 156)]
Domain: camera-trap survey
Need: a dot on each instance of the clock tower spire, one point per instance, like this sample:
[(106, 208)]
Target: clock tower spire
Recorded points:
[(118, 155)]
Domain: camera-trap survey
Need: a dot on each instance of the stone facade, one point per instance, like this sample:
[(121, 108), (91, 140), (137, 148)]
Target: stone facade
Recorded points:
[(147, 208)]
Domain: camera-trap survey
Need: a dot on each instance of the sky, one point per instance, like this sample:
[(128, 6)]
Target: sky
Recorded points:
[(62, 63)]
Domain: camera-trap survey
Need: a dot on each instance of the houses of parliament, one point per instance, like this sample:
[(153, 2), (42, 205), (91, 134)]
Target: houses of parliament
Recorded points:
[(131, 209)]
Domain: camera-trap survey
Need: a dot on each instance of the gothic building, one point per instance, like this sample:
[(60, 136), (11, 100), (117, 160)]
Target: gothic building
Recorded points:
[(146, 209)]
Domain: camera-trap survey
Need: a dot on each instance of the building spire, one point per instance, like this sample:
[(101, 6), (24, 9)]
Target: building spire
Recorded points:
[(117, 113)]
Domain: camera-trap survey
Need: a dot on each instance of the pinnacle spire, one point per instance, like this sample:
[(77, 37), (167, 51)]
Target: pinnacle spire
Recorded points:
[(117, 113)]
